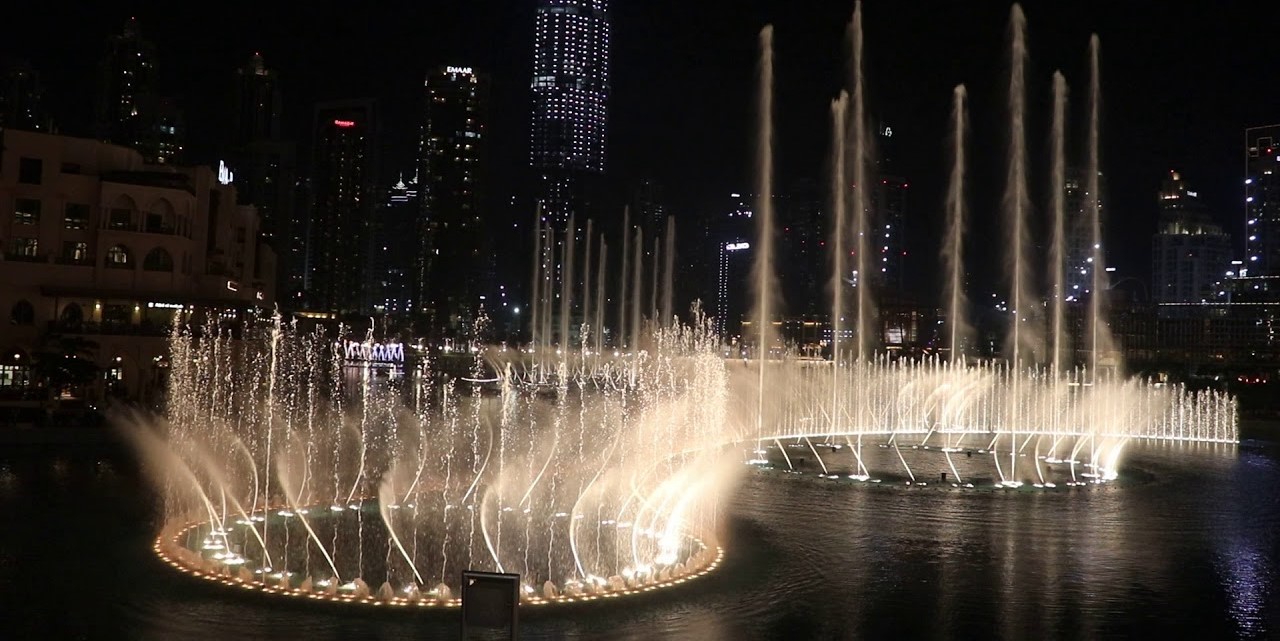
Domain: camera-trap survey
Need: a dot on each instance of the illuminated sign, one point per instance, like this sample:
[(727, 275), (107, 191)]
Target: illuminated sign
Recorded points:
[(225, 175), (344, 123), (233, 286), (259, 296), (887, 132), (374, 353), (733, 247), (164, 305), (462, 70)]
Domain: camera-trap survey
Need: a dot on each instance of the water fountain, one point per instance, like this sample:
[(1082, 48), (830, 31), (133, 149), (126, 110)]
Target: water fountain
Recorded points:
[(288, 468), (299, 463)]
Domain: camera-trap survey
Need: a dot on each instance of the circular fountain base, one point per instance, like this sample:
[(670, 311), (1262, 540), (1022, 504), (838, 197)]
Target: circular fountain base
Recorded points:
[(181, 548)]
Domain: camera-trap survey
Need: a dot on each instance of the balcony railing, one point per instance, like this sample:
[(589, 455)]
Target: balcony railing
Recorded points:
[(26, 258)]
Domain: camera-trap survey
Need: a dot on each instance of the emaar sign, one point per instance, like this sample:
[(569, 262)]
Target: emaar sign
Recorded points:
[(225, 175)]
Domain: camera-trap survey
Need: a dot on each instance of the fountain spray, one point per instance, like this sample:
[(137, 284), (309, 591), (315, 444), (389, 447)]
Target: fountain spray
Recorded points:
[(1057, 204), (953, 250)]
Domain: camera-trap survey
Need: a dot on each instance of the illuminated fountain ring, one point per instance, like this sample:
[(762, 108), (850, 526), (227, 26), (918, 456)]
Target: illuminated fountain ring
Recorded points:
[(214, 563), (1049, 475)]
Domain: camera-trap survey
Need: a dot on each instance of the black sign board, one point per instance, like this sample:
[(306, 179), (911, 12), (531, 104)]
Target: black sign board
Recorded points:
[(490, 602)]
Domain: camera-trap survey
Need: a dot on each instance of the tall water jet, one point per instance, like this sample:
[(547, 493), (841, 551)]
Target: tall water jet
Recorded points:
[(762, 269), (859, 159), (637, 263), (1016, 200), (839, 116), (588, 322), (622, 278), (600, 274), (1057, 205), (1100, 336), (535, 298), (668, 278), (953, 250), (839, 120), (653, 278), (566, 283)]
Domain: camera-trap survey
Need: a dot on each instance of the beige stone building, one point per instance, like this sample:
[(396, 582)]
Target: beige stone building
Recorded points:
[(98, 245)]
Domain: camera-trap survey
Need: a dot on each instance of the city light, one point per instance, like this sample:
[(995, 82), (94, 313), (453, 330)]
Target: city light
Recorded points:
[(344, 123)]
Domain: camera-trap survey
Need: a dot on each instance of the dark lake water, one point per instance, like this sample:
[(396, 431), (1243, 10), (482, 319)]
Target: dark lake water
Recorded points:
[(1192, 550)]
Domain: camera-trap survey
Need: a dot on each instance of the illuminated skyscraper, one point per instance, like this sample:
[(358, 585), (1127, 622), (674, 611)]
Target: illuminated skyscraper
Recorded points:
[(1262, 202), (1190, 253), (266, 172), (343, 173), (455, 259), (733, 233), (130, 112), (569, 132), (22, 98), (397, 246)]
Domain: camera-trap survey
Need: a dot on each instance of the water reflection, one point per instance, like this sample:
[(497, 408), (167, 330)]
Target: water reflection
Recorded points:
[(1184, 545)]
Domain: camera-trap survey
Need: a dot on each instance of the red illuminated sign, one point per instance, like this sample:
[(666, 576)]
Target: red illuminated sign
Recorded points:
[(345, 123)]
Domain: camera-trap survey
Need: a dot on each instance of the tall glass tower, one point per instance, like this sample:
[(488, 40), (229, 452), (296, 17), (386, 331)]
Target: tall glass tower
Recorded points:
[(569, 132), (1262, 202)]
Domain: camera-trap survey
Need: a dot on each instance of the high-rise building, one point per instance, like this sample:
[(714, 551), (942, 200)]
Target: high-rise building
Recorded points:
[(128, 72), (1262, 202), (265, 167), (649, 208), (343, 173), (1079, 235), (258, 104), (163, 132), (888, 233), (733, 235), (22, 98), (1190, 253), (455, 261), (887, 241), (569, 129), (396, 258), (130, 112), (802, 244)]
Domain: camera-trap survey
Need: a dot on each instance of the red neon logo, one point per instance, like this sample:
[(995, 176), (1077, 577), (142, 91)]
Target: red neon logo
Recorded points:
[(345, 123)]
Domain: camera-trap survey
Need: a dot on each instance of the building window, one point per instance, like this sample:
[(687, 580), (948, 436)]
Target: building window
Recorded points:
[(26, 211), (76, 216), (113, 378), (22, 313), (120, 219), (75, 252), (24, 248), (116, 315), (158, 260), (29, 170), (12, 376), (118, 257), (72, 316)]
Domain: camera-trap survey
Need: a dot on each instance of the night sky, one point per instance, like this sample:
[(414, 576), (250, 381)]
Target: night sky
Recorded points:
[(1180, 82)]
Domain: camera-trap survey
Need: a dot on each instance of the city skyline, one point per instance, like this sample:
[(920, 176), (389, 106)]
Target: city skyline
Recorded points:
[(673, 124)]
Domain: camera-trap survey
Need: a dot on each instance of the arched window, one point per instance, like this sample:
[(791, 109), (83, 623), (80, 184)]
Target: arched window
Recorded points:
[(160, 217), (158, 260), (71, 315), (118, 257), (23, 313), (120, 214)]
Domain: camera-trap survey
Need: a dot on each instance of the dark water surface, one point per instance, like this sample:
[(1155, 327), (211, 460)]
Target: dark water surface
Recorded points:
[(1193, 550)]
